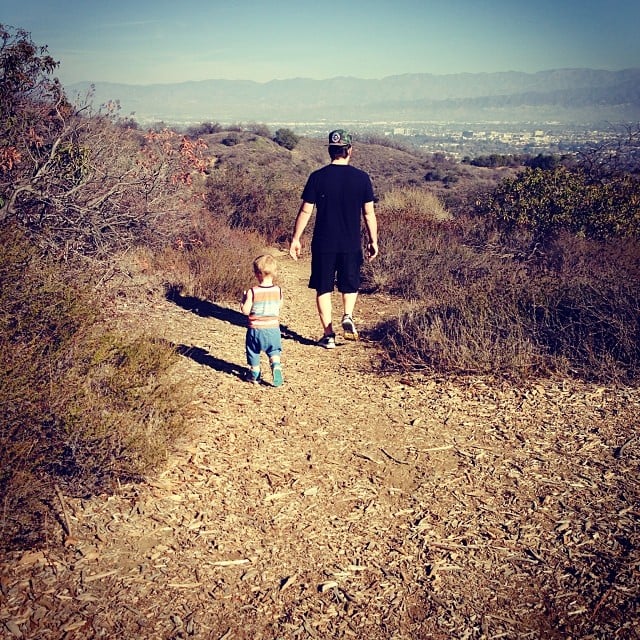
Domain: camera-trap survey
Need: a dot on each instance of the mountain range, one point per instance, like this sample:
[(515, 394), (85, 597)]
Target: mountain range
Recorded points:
[(571, 96)]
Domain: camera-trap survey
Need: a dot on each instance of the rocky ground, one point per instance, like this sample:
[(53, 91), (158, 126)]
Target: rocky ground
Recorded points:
[(350, 503)]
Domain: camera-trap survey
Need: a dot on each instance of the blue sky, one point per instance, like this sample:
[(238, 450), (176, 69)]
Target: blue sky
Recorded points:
[(156, 41)]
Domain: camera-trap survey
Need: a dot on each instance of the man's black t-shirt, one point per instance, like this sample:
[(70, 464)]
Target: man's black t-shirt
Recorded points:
[(338, 191)]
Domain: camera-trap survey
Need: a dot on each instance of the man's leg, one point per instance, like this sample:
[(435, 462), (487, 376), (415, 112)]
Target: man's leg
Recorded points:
[(323, 302), (349, 303), (348, 326), (349, 265)]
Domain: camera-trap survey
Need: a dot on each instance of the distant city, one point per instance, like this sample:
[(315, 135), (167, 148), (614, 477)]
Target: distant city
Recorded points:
[(459, 140), (488, 138)]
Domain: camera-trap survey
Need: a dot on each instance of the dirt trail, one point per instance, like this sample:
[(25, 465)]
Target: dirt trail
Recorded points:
[(344, 504)]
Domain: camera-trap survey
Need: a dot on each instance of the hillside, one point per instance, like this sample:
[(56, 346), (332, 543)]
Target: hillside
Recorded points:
[(572, 96), (348, 503), (389, 167)]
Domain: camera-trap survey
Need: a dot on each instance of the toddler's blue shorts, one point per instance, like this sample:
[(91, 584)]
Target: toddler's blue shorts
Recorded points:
[(259, 340)]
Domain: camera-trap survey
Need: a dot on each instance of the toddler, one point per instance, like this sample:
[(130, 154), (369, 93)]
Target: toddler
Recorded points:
[(262, 304)]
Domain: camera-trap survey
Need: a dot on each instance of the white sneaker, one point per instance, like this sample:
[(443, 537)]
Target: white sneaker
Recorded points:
[(349, 327), (328, 342)]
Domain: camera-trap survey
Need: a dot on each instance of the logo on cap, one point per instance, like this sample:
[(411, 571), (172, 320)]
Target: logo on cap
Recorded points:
[(340, 137)]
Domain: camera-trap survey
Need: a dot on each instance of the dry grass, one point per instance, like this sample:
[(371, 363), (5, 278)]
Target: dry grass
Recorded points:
[(208, 261), (568, 307), (413, 204), (83, 405)]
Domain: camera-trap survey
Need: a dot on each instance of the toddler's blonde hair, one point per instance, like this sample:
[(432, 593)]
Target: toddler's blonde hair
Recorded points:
[(265, 265)]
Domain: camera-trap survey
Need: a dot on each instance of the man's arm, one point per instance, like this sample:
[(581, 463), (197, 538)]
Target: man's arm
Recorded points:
[(371, 222), (304, 214)]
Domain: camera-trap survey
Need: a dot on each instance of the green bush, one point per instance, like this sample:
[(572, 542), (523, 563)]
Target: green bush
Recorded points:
[(260, 129), (286, 138), (203, 129), (231, 139), (548, 201)]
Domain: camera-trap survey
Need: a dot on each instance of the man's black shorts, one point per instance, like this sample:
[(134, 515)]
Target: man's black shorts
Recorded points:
[(329, 268)]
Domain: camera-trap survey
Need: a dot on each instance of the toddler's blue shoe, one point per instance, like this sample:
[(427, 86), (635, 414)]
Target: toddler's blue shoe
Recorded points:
[(277, 375)]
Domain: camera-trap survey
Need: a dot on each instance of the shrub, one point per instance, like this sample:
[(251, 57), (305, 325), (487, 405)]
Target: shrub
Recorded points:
[(81, 404), (469, 334), (75, 180), (495, 160), (507, 302), (286, 138), (115, 411), (584, 306), (260, 129), (264, 203), (410, 247), (542, 161), (203, 129), (434, 175), (40, 313), (231, 139), (419, 204), (574, 310), (548, 201), (211, 262), (390, 142), (616, 155)]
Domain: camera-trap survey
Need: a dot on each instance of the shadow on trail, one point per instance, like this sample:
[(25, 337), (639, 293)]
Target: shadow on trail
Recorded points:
[(290, 334), (203, 357), (206, 309)]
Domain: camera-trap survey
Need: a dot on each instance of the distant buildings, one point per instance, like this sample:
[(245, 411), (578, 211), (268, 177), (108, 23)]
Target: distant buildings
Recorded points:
[(458, 141)]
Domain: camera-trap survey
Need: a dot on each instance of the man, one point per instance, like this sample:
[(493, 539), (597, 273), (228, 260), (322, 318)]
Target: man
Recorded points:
[(341, 194)]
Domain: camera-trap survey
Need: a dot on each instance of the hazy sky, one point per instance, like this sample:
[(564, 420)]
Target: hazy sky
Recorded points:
[(157, 41)]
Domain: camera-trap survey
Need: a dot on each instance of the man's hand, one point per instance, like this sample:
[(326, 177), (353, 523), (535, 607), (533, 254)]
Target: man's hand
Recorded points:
[(304, 213), (372, 250), (295, 249)]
